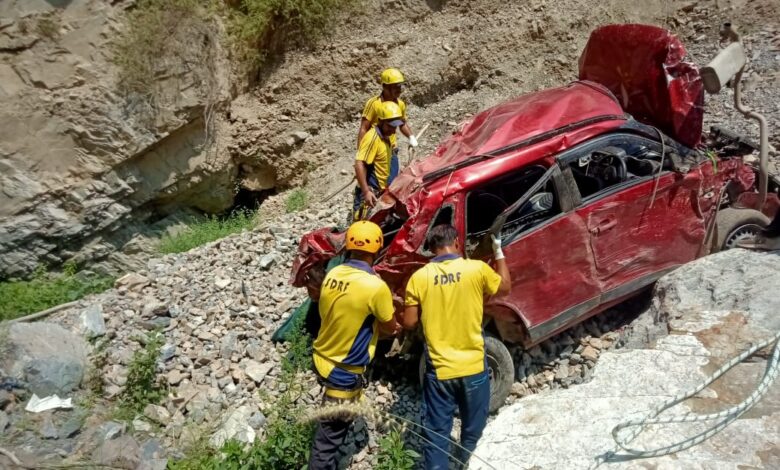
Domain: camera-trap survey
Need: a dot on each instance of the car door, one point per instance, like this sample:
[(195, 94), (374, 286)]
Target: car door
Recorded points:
[(640, 227), (548, 255)]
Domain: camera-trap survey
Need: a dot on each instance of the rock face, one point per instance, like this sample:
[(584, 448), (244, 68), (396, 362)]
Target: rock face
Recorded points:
[(80, 172), (717, 307), (49, 358)]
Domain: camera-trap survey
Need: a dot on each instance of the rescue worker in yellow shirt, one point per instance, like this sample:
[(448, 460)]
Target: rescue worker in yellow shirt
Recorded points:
[(355, 304), (392, 85), (447, 296), (376, 162)]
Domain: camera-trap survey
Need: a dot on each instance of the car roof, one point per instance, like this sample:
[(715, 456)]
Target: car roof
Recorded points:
[(525, 120)]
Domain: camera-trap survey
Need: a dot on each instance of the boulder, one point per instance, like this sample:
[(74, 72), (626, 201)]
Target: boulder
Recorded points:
[(49, 358), (122, 452), (91, 323)]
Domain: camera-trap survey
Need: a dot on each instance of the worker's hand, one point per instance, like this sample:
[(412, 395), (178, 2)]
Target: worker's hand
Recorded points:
[(370, 198), (412, 141), (498, 253)]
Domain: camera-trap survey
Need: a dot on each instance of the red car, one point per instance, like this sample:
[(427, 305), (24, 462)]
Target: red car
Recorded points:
[(597, 188)]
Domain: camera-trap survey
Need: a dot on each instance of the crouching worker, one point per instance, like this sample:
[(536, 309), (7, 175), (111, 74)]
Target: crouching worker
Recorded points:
[(376, 162), (355, 303), (447, 296)]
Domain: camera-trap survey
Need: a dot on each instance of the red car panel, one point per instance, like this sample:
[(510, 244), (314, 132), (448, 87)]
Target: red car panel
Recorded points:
[(645, 67)]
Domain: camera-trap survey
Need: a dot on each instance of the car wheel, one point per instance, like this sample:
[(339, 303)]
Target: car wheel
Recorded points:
[(738, 225), (501, 371)]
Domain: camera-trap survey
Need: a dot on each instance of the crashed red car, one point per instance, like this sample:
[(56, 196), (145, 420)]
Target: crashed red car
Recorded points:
[(597, 188)]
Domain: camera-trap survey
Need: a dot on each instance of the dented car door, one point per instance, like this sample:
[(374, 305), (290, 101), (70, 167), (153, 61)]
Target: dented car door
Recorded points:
[(549, 259)]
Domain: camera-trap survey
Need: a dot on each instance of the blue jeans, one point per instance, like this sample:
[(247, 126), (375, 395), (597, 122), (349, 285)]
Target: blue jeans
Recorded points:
[(440, 397)]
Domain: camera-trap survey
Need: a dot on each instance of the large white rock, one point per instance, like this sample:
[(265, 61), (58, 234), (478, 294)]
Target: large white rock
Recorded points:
[(236, 426), (718, 307)]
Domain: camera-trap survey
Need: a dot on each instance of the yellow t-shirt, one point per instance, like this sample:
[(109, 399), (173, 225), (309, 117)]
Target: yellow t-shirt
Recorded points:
[(450, 291), (351, 299), (371, 113), (377, 153)]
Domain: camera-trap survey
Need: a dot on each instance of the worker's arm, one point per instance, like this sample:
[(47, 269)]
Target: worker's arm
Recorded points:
[(361, 173), (365, 125), (501, 267), (410, 317)]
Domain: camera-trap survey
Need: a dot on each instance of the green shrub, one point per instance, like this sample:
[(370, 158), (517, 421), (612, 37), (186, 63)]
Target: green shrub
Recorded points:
[(143, 385), (206, 230), (43, 291), (261, 28), (296, 200), (166, 39), (393, 454)]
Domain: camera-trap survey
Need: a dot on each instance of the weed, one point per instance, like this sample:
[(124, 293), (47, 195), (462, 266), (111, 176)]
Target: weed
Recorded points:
[(164, 40), (206, 230), (48, 27), (94, 376), (143, 386), (298, 357), (296, 200), (264, 28), (393, 453), (43, 291)]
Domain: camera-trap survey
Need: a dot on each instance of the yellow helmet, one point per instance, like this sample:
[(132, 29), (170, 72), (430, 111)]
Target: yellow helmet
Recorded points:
[(389, 110), (364, 236), (392, 76)]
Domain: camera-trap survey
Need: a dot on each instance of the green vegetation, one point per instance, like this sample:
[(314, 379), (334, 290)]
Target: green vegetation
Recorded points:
[(393, 454), (205, 230), (296, 200), (263, 28), (158, 40), (43, 291), (143, 385), (288, 438), (48, 27)]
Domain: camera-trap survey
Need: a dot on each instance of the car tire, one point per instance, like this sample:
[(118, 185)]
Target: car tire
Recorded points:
[(501, 370), (736, 225)]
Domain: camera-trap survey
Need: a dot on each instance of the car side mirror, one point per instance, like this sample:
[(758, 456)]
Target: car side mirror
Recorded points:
[(723, 67)]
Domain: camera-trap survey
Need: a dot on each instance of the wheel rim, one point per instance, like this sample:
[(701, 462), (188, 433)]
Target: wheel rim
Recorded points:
[(741, 234)]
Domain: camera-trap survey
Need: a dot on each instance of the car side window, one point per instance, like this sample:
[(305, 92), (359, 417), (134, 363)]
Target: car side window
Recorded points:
[(485, 204), (615, 161)]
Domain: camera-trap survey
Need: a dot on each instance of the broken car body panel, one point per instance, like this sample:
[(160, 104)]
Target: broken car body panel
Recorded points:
[(645, 67)]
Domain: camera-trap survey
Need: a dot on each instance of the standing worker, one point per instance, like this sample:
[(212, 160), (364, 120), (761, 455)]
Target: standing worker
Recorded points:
[(376, 162), (392, 84), (355, 303), (447, 296)]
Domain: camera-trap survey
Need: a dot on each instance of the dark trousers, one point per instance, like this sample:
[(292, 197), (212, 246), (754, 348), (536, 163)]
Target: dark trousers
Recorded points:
[(328, 437), (471, 395)]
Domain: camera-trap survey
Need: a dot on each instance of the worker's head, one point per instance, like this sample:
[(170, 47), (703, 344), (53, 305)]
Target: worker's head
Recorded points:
[(392, 83), (364, 240), (390, 117), (443, 239)]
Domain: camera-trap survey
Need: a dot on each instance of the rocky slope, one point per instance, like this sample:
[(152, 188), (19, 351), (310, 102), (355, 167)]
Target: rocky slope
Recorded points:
[(92, 174)]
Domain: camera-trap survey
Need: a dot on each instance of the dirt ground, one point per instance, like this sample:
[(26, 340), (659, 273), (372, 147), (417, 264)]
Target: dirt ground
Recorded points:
[(461, 57)]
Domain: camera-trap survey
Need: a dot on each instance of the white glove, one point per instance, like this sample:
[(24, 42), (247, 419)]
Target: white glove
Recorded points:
[(498, 253), (412, 141)]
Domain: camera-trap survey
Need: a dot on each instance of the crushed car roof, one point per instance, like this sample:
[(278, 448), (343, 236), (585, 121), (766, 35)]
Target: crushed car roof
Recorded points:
[(521, 121)]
